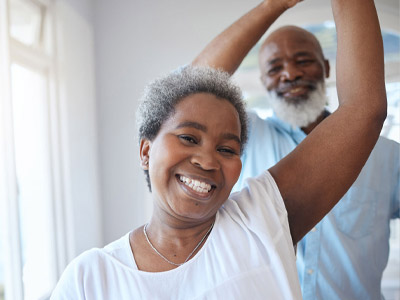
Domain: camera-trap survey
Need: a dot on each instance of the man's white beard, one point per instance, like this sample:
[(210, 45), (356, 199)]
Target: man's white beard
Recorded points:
[(302, 112)]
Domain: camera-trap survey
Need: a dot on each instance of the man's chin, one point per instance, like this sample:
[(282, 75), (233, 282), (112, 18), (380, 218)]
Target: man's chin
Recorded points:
[(299, 110), (295, 100)]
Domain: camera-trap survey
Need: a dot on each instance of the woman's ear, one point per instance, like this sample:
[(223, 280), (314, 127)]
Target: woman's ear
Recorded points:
[(144, 152)]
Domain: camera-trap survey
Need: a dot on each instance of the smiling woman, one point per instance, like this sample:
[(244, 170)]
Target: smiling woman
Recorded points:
[(192, 160)]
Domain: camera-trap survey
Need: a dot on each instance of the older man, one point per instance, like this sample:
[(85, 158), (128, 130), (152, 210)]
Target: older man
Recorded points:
[(344, 256)]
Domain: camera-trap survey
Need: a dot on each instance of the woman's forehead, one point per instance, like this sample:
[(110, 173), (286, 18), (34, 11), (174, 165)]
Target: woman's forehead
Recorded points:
[(206, 109)]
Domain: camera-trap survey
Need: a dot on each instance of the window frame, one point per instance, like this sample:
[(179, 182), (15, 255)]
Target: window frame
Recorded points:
[(37, 60)]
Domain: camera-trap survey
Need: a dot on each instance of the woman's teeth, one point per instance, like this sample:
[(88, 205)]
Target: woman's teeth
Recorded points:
[(196, 185)]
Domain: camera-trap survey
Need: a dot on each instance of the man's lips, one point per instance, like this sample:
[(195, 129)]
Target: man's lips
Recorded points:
[(295, 89)]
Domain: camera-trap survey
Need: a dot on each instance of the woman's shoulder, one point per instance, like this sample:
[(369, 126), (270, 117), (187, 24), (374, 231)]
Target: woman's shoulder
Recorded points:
[(259, 196), (85, 261), (95, 257)]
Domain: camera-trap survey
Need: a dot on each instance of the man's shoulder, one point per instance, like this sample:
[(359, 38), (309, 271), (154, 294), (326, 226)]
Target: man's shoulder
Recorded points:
[(385, 142), (386, 149), (382, 164), (256, 122)]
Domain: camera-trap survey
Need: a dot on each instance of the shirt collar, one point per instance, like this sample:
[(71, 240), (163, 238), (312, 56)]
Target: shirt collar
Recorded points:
[(295, 132)]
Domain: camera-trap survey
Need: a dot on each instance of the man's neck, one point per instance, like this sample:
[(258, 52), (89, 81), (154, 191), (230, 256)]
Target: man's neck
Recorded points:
[(314, 124)]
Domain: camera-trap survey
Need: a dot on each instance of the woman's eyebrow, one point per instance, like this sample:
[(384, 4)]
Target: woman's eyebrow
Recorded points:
[(231, 136), (227, 136), (192, 125)]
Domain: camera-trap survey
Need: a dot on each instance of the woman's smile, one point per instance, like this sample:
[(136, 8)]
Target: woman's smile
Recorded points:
[(194, 187)]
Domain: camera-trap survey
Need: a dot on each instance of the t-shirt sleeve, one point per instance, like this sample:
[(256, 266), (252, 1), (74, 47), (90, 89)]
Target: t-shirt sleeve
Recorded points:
[(260, 205), (71, 284)]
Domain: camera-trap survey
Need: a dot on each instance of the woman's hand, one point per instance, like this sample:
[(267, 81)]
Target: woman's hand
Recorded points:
[(284, 4)]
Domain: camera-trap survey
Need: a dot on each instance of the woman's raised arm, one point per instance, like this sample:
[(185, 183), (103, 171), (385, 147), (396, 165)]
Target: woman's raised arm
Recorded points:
[(319, 171)]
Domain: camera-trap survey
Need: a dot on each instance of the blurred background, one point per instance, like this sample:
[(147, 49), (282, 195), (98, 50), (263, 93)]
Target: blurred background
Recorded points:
[(71, 72)]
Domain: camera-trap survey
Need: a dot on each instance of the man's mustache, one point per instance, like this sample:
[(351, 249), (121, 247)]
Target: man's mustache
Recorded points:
[(287, 86)]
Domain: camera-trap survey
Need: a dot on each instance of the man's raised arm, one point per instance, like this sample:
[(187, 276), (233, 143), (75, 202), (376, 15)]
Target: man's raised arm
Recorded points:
[(229, 48)]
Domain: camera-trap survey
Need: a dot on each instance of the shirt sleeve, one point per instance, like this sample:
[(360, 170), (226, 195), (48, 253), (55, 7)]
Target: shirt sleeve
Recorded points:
[(260, 205), (396, 197), (396, 192), (71, 284)]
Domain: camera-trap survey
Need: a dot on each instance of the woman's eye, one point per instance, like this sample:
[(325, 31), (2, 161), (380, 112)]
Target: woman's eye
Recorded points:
[(188, 139), (227, 151)]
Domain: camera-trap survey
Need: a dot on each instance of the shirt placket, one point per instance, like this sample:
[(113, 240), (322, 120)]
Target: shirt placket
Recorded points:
[(311, 256)]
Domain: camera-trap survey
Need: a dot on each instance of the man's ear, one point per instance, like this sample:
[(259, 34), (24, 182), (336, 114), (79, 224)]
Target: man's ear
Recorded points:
[(327, 68), (144, 152), (263, 80)]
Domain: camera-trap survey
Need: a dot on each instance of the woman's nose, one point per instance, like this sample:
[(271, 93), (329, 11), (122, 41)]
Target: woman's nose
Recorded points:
[(206, 159)]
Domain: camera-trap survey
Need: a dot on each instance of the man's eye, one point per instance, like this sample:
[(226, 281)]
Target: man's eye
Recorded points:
[(274, 70), (304, 61), (188, 139)]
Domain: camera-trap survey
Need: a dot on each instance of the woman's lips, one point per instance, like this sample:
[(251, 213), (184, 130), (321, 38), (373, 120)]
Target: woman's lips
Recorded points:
[(196, 187)]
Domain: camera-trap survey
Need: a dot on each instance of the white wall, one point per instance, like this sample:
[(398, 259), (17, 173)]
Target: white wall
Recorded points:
[(135, 41), (76, 74)]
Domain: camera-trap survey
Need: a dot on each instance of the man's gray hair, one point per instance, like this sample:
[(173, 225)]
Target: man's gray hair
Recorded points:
[(163, 94)]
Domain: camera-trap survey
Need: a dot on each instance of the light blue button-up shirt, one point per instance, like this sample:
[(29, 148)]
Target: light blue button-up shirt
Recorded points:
[(344, 255)]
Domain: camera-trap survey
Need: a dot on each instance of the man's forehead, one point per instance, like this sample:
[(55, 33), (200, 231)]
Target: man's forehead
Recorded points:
[(289, 43), (292, 33), (274, 51)]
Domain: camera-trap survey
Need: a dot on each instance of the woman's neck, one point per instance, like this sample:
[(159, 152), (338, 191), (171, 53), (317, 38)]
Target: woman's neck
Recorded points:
[(160, 246)]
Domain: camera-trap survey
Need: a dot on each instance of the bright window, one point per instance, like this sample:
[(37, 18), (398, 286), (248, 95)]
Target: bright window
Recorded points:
[(30, 24), (2, 271), (31, 144), (26, 22), (29, 167)]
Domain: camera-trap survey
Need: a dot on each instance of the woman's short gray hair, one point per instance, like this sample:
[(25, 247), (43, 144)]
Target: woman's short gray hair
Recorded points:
[(163, 94)]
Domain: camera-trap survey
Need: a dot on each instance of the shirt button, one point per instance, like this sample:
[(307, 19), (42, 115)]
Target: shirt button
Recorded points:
[(310, 271), (314, 229)]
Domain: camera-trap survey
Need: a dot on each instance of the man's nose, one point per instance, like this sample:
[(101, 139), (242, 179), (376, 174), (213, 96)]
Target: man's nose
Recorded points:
[(291, 72)]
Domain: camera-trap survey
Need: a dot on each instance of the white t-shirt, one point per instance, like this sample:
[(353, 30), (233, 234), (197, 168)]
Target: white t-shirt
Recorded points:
[(248, 255)]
